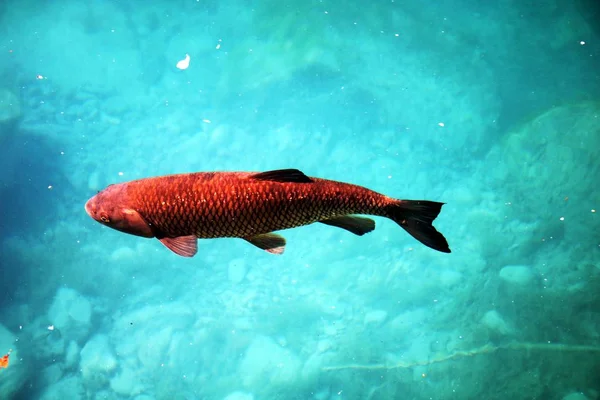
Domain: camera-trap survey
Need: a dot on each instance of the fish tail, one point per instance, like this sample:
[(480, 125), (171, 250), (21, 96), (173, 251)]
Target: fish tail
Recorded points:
[(416, 217)]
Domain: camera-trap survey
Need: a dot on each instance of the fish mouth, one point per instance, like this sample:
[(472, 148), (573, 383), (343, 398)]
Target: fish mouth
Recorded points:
[(89, 208)]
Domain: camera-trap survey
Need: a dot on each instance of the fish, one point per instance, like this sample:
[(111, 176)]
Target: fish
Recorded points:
[(179, 209), (4, 359)]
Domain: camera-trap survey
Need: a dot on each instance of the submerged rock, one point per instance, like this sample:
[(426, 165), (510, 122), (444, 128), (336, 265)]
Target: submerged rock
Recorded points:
[(266, 362), (14, 376), (70, 387), (126, 383), (546, 170), (375, 317), (70, 313), (237, 270), (239, 396), (97, 361), (496, 323), (520, 275), (10, 111), (575, 396), (10, 106)]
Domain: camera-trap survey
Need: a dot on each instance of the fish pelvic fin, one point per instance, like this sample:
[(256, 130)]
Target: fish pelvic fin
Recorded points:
[(416, 217), (357, 225), (283, 175), (185, 246), (271, 242)]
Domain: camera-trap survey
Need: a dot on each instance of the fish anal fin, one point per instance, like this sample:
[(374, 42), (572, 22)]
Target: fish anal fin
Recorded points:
[(271, 242), (185, 246), (282, 175), (357, 225)]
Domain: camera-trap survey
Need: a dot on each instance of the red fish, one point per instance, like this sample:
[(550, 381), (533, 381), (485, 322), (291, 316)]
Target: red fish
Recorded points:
[(4, 359), (178, 209)]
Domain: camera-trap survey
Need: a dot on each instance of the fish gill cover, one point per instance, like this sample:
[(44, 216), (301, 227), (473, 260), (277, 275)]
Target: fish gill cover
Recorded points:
[(490, 108)]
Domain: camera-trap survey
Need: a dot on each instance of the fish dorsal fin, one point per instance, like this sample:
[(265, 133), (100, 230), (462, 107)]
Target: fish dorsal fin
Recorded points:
[(185, 246), (271, 242), (283, 175)]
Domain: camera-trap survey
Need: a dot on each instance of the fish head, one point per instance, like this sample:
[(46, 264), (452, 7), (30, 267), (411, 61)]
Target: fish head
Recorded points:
[(110, 207)]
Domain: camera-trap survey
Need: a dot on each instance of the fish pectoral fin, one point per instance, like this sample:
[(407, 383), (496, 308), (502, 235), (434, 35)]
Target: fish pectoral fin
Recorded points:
[(357, 225), (271, 242), (185, 246), (282, 175)]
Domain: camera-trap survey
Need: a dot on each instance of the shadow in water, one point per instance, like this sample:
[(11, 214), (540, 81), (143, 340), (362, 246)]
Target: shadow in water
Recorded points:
[(28, 166)]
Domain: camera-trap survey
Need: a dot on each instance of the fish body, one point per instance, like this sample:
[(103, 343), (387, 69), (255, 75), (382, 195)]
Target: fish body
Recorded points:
[(178, 209)]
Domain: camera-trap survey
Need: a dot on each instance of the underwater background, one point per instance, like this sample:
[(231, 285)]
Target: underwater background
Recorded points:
[(490, 107)]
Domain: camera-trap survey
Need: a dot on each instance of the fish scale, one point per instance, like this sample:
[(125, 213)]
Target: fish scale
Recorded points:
[(178, 209), (264, 207)]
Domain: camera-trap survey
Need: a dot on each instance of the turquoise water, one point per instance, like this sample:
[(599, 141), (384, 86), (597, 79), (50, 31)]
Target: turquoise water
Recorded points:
[(493, 109)]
